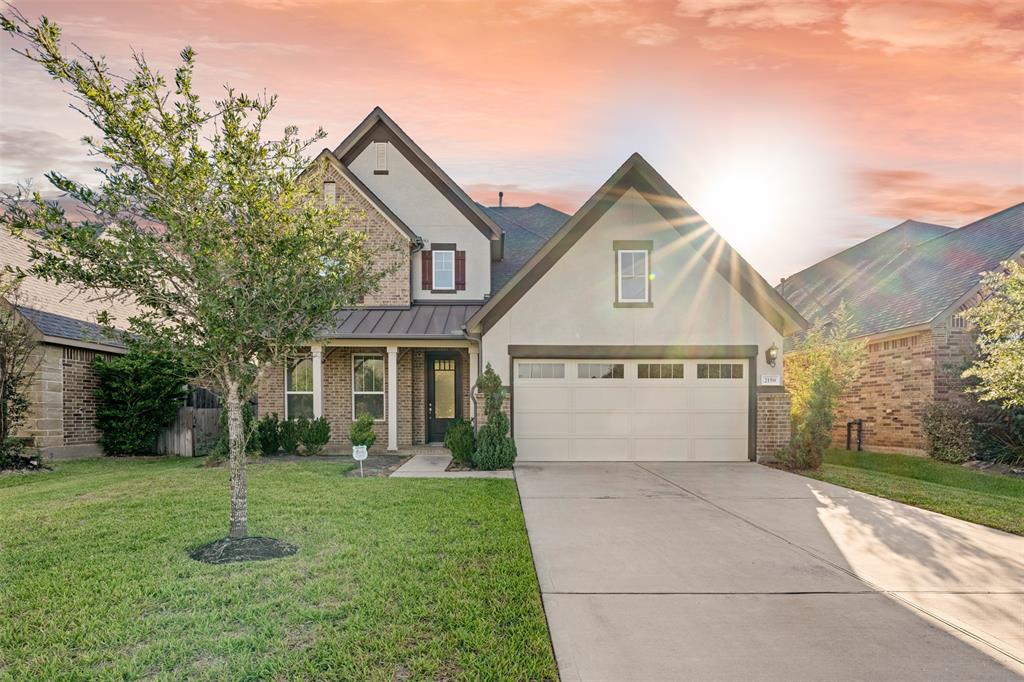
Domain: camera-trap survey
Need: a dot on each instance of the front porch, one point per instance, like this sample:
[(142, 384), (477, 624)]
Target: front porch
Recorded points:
[(413, 390)]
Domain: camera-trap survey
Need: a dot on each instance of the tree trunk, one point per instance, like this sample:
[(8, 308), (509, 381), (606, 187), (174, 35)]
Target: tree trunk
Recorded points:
[(236, 448)]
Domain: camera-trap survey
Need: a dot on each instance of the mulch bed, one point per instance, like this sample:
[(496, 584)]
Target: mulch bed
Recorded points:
[(229, 550)]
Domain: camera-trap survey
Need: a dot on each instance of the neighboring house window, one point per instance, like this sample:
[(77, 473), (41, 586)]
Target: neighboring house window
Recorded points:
[(719, 371), (380, 151), (632, 273), (958, 321), (599, 370), (368, 386), (298, 389), (541, 370), (659, 370), (330, 195), (444, 269)]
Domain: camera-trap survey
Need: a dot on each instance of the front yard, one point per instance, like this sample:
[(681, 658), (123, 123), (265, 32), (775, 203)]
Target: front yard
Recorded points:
[(989, 499), (394, 579)]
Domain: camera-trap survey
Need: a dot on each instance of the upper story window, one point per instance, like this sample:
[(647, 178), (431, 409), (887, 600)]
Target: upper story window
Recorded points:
[(633, 273), (444, 269), (380, 158)]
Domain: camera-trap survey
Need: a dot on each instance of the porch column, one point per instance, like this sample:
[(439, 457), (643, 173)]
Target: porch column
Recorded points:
[(392, 385), (318, 380), (474, 371)]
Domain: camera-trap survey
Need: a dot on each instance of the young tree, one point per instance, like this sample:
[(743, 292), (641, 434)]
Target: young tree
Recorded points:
[(999, 320), (18, 360), (825, 364), (199, 221)]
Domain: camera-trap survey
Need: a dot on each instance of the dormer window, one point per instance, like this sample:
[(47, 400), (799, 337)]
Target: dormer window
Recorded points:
[(632, 273), (330, 193), (444, 269), (380, 155)]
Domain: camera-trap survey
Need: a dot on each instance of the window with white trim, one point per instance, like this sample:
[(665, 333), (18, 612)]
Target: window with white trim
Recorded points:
[(298, 389), (368, 386), (443, 263), (541, 370), (634, 269)]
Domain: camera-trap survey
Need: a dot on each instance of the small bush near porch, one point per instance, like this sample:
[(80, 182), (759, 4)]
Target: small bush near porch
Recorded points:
[(394, 579), (989, 499)]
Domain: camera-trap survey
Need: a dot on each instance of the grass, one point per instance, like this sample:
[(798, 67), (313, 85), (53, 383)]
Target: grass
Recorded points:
[(989, 499), (394, 579)]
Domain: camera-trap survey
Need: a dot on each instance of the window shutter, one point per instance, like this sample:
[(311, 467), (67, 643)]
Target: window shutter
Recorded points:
[(427, 279), (460, 270)]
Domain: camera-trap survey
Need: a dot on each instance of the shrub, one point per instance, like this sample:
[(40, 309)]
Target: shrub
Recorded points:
[(289, 436), (301, 429), (494, 448), (268, 430), (950, 432), (361, 432), (139, 395), (1000, 436), (459, 438), (813, 432), (316, 434), (15, 455)]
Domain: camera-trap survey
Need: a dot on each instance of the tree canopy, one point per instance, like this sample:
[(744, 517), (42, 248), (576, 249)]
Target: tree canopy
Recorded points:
[(999, 321)]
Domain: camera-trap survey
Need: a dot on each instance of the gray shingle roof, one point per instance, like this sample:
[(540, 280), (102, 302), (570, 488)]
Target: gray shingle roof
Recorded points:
[(420, 321), (916, 284), (63, 327), (526, 230)]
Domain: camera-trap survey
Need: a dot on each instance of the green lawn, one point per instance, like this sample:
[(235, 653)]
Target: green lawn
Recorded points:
[(989, 499), (394, 579)]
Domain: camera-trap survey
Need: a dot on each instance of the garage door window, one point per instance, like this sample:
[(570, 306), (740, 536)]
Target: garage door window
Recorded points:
[(659, 370), (600, 370), (541, 370), (719, 371)]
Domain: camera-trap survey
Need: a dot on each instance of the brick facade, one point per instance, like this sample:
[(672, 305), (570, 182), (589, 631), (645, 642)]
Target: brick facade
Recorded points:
[(80, 384), (337, 395), (773, 423), (390, 247)]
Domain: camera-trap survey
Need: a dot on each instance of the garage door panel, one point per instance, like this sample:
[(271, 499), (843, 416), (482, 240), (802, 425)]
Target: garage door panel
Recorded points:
[(544, 423), (662, 424), (606, 398), (728, 424), (600, 449), (657, 399), (543, 398), (543, 449), (712, 398), (601, 423), (719, 449), (664, 449)]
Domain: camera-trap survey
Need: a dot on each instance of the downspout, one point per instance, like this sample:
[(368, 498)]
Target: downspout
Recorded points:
[(472, 386), (417, 245)]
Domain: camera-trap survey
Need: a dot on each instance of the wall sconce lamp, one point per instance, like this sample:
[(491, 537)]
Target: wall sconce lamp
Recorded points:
[(771, 355)]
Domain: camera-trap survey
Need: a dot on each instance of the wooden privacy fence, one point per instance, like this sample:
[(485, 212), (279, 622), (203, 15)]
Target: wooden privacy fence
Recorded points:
[(192, 434)]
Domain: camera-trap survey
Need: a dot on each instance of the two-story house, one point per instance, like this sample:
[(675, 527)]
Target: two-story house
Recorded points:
[(628, 331)]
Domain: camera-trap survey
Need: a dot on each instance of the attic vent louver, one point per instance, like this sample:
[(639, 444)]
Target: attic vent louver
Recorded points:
[(330, 195), (381, 158)]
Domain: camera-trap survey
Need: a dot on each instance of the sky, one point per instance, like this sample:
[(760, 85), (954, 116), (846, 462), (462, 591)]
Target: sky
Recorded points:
[(796, 128)]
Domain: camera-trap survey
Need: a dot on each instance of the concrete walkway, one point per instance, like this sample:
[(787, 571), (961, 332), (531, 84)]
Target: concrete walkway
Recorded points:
[(435, 466), (666, 571)]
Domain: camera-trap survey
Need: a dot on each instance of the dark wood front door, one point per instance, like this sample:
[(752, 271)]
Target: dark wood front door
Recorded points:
[(443, 400)]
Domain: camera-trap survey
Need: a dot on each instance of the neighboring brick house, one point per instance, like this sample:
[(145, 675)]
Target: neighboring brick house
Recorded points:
[(906, 289), (601, 361), (61, 420)]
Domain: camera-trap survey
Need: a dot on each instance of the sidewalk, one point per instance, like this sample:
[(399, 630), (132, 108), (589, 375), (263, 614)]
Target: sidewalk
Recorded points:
[(435, 465)]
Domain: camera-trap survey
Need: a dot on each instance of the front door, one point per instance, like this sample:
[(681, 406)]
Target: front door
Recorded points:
[(443, 404)]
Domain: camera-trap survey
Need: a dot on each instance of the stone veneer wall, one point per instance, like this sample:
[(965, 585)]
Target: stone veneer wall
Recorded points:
[(773, 422), (390, 247), (44, 422)]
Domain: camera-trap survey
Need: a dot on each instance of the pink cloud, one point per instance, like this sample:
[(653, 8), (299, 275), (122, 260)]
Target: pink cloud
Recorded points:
[(926, 196)]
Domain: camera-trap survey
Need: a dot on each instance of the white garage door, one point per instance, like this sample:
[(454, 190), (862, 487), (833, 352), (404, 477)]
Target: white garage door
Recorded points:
[(643, 410)]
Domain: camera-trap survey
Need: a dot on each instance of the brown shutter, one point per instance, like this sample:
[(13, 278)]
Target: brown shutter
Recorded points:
[(460, 270), (427, 278)]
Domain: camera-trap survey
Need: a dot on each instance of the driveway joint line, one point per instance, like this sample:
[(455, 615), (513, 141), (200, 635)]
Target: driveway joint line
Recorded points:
[(877, 588)]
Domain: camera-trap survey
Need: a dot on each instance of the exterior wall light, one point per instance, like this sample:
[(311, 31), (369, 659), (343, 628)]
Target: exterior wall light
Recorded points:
[(771, 355)]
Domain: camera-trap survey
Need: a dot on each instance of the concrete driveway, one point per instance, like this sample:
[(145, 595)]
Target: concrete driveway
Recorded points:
[(666, 571)]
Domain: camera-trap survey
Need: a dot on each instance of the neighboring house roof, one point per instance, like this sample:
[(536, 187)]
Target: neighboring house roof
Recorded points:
[(817, 290), (351, 145), (419, 321), (61, 312), (526, 230), (637, 173), (368, 193), (917, 284)]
